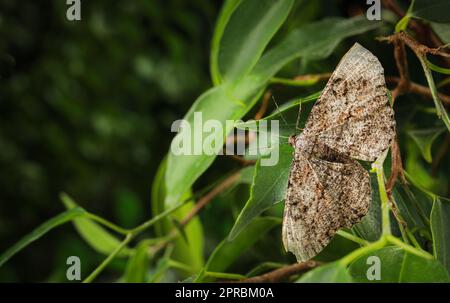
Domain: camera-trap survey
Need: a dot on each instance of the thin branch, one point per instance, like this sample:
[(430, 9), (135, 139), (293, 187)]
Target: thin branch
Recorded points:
[(420, 90), (396, 171), (244, 162), (417, 47), (423, 31), (202, 202), (248, 137), (402, 66), (396, 167), (413, 87), (105, 262), (283, 273), (265, 103)]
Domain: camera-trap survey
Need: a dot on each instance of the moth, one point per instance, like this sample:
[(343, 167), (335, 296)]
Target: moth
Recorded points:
[(328, 189)]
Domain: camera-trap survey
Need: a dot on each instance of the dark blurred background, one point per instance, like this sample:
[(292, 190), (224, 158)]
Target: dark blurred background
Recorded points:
[(86, 108)]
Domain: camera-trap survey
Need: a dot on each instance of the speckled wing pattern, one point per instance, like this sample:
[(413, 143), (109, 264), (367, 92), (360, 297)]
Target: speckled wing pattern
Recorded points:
[(328, 189)]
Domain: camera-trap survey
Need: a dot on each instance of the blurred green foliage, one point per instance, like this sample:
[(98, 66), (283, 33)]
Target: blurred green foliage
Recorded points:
[(86, 107)]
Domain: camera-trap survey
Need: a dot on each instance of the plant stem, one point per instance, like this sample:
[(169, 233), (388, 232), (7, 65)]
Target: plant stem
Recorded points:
[(385, 220), (352, 237), (155, 219), (408, 248), (100, 268), (363, 250), (293, 82), (223, 275), (413, 239), (403, 23), (108, 224), (441, 112), (181, 266)]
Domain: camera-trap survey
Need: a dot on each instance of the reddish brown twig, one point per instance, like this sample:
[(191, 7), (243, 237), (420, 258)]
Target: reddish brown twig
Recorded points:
[(422, 30), (244, 162), (419, 90), (396, 167), (248, 136), (264, 105), (402, 66), (396, 171), (203, 201), (415, 46), (283, 273)]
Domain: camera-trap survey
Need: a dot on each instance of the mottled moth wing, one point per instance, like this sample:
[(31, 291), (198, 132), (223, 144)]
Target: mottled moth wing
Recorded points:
[(322, 197), (328, 189), (353, 114)]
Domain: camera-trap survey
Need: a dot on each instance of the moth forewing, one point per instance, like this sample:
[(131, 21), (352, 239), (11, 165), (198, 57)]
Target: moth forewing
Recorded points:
[(327, 188)]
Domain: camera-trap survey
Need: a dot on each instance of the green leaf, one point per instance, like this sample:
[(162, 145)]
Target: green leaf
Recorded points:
[(137, 266), (370, 226), (436, 68), (416, 169), (185, 169), (286, 115), (442, 30), (41, 230), (398, 266), (440, 109), (94, 234), (246, 175), (162, 266), (424, 138), (330, 273), (414, 205), (189, 245), (327, 33), (224, 15), (268, 188), (229, 251), (247, 33), (403, 23), (236, 100), (440, 229), (432, 10), (336, 249)]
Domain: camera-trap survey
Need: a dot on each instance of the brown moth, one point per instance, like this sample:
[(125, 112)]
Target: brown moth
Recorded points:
[(328, 189)]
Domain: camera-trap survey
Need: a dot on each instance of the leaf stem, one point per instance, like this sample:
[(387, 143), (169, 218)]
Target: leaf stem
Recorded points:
[(403, 23), (385, 220), (408, 248), (352, 237), (129, 236), (412, 238), (223, 275), (111, 257), (107, 223), (155, 219), (181, 266), (363, 250), (441, 112), (293, 82)]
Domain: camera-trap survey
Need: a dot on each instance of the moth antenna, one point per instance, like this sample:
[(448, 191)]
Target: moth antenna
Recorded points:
[(278, 110), (297, 123)]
